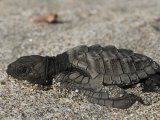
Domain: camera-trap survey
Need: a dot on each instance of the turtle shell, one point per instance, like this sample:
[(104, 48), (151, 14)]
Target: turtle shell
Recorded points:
[(117, 66)]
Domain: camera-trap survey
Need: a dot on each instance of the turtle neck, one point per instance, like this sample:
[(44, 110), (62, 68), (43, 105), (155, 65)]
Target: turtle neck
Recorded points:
[(56, 64)]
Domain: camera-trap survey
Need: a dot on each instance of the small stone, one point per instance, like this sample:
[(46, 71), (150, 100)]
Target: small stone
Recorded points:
[(30, 40), (76, 90)]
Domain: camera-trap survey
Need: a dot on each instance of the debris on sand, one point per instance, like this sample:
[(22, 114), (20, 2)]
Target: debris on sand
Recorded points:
[(49, 17)]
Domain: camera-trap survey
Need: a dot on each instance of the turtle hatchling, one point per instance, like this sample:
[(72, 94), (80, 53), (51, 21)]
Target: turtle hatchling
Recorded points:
[(102, 74)]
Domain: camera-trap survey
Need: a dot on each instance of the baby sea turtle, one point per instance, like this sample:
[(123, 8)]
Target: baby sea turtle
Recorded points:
[(101, 73)]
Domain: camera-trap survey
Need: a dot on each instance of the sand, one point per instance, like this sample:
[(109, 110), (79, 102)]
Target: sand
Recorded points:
[(123, 23)]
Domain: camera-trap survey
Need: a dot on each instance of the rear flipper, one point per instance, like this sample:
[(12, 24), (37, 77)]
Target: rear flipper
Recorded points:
[(113, 96), (152, 84)]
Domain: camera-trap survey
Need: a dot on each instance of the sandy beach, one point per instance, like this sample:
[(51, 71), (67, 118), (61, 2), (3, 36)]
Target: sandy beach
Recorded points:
[(130, 24)]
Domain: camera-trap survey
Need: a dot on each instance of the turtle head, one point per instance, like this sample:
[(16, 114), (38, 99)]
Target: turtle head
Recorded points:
[(30, 68)]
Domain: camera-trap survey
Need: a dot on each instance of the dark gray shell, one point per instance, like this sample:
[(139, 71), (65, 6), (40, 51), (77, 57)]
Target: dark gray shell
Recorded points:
[(117, 66)]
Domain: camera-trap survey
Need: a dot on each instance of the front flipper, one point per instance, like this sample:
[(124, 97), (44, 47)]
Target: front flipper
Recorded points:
[(112, 96), (152, 84), (73, 80)]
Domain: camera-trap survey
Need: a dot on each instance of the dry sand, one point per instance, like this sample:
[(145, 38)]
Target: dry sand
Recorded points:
[(123, 23)]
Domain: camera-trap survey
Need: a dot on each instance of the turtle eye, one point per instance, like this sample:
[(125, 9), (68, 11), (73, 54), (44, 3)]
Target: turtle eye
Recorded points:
[(22, 70)]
